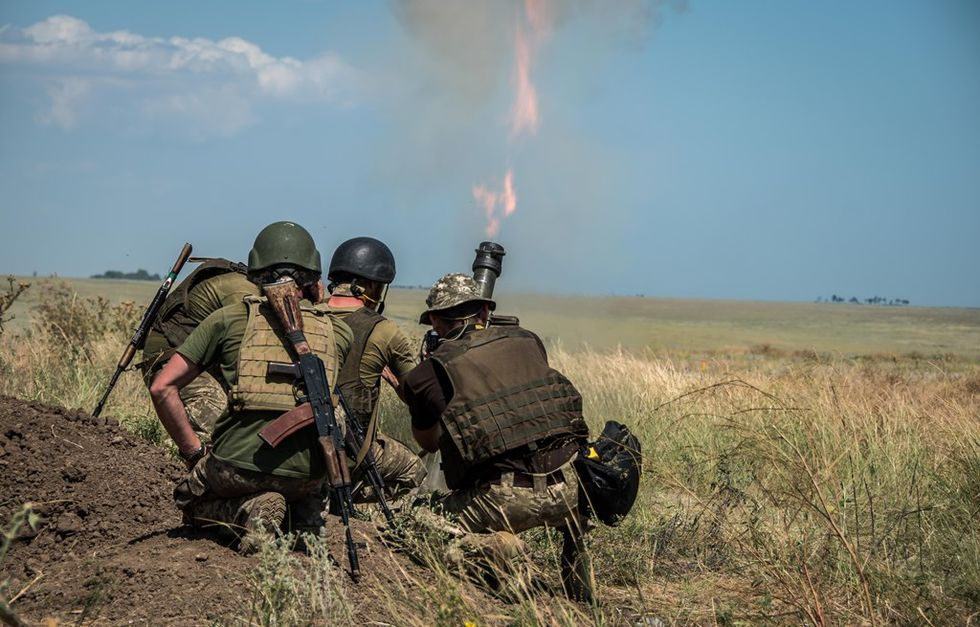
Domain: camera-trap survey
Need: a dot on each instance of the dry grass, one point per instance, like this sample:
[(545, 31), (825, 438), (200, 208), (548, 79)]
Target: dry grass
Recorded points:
[(779, 486)]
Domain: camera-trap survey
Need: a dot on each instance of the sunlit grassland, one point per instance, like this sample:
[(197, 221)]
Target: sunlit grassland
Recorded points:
[(802, 463)]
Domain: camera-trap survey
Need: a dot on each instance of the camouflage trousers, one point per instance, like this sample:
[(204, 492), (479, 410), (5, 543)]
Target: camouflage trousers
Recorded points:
[(400, 468), (217, 494), (468, 513), (204, 400)]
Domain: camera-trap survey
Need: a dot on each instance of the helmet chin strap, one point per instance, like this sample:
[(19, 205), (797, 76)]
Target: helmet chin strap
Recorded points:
[(359, 292)]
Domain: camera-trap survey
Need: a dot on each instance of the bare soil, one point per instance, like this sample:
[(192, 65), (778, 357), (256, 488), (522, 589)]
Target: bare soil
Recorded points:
[(111, 548)]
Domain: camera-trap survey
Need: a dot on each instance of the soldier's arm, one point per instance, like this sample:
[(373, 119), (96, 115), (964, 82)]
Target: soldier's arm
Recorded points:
[(165, 392), (422, 395)]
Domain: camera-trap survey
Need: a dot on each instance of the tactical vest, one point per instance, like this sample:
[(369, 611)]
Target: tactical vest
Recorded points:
[(263, 343), (360, 398), (173, 321), (506, 398)]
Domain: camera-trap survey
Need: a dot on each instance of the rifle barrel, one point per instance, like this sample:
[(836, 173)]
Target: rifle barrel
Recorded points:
[(139, 336)]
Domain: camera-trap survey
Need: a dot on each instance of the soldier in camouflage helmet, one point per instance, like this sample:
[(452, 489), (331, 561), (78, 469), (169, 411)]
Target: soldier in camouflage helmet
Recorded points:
[(243, 484), (508, 426)]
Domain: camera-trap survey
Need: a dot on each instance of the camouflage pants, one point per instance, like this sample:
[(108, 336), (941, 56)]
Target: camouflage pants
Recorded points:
[(204, 400), (400, 468), (217, 494), (506, 507)]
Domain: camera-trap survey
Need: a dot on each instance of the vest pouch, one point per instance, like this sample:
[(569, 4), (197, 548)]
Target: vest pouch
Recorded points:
[(609, 474)]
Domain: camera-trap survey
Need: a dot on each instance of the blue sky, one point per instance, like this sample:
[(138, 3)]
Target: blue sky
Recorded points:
[(751, 150)]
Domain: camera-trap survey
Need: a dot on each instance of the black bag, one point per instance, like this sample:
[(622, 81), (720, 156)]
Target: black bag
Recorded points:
[(609, 473)]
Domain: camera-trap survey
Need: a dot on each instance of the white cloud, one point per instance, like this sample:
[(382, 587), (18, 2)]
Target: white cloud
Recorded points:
[(212, 84)]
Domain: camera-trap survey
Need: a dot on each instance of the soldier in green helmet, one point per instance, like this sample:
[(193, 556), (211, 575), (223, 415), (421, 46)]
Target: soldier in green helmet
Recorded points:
[(508, 427), (242, 483), (361, 269)]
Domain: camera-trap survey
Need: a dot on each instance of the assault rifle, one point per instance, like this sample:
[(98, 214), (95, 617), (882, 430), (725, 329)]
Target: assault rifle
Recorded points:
[(355, 437), (283, 298), (139, 337)]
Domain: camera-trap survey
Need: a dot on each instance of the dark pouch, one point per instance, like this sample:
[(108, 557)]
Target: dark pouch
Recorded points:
[(609, 472)]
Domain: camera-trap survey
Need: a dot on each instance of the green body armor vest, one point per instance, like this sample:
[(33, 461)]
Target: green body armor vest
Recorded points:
[(263, 343), (506, 399), (360, 398)]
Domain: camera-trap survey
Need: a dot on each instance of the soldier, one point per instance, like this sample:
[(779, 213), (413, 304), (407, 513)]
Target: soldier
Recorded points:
[(214, 284), (360, 271), (243, 483), (508, 426)]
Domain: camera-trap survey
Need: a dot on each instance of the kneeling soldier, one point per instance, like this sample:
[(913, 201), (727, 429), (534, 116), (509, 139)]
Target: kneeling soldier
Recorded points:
[(508, 426), (360, 271), (245, 482)]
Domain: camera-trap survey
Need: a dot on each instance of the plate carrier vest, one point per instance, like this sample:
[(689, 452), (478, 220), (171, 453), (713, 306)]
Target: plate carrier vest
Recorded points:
[(360, 398), (506, 398), (263, 343)]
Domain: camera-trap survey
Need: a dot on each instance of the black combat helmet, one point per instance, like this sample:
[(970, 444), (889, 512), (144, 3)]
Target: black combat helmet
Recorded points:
[(284, 243), (363, 257)]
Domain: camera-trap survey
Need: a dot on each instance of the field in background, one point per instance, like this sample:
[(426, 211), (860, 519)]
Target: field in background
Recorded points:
[(689, 326), (814, 464)]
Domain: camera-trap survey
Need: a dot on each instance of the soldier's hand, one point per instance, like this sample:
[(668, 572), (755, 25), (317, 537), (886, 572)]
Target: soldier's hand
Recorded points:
[(390, 377)]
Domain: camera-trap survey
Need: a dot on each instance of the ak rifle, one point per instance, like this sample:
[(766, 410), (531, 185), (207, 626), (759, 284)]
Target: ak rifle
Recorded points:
[(354, 438), (283, 297), (139, 337)]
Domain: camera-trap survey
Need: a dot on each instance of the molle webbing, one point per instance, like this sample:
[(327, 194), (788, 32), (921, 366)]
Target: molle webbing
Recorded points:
[(173, 321), (505, 396), (263, 343), (360, 398)]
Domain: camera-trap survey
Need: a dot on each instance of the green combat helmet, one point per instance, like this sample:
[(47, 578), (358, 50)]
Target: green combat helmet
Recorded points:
[(284, 243), (451, 290)]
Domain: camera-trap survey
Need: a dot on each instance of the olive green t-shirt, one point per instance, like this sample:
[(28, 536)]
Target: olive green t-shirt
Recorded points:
[(203, 299), (386, 346), (216, 342)]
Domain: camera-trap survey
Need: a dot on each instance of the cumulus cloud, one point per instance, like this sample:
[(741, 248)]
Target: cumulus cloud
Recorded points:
[(213, 84)]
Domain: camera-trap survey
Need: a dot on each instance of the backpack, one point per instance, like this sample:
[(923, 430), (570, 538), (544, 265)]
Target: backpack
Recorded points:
[(609, 473)]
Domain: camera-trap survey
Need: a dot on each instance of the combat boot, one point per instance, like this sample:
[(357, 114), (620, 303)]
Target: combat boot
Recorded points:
[(262, 513)]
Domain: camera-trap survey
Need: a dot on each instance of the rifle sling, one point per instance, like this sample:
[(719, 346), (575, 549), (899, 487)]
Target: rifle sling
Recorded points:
[(369, 434), (287, 424)]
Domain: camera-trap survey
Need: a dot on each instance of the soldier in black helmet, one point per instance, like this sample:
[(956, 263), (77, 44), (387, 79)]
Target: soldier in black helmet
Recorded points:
[(243, 482), (360, 271)]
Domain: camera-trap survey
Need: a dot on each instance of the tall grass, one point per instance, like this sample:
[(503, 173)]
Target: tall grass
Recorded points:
[(778, 487)]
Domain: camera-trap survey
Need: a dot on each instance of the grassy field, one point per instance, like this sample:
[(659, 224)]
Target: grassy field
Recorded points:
[(814, 464), (678, 326)]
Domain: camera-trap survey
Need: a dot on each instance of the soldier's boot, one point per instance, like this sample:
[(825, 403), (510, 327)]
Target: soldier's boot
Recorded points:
[(495, 552), (577, 578), (262, 513)]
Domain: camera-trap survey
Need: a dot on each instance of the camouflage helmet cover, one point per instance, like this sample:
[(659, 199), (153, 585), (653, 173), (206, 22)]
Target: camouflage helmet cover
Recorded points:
[(451, 290), (284, 243)]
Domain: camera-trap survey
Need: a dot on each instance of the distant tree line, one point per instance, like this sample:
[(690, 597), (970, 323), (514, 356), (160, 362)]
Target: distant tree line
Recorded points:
[(873, 300), (139, 275)]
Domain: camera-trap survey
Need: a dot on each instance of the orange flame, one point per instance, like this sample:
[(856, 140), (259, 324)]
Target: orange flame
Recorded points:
[(493, 203), (531, 31), (524, 112)]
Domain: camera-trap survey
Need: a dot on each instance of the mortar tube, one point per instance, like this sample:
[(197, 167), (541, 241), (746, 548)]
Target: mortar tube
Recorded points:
[(487, 266)]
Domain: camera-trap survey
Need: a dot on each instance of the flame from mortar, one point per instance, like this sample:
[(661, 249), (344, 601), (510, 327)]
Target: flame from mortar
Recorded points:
[(490, 201), (531, 31)]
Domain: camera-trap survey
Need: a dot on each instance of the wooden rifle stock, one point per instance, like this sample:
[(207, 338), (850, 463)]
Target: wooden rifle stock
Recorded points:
[(283, 297), (139, 337)]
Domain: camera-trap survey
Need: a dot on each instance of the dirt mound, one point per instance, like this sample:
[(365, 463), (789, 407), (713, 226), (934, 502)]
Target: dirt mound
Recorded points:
[(111, 547)]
